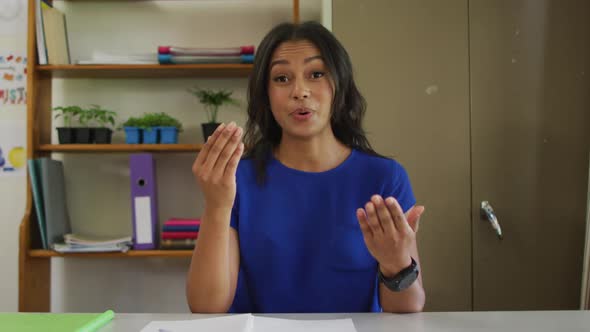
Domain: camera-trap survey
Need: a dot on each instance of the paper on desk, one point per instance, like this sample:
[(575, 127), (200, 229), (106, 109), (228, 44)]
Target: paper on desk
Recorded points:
[(266, 324), (234, 323), (249, 323)]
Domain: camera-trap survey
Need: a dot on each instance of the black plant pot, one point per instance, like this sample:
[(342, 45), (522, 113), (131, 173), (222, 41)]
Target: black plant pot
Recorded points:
[(83, 135), (102, 135), (209, 129), (66, 135)]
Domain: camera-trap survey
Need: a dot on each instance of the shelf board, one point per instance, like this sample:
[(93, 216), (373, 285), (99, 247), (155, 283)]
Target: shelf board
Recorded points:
[(39, 253), (120, 147), (219, 70), (103, 0)]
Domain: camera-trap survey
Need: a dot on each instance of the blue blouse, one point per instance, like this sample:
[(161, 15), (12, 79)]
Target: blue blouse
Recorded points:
[(301, 247)]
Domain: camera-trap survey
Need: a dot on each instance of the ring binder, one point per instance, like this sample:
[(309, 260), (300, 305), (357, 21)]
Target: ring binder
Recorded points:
[(144, 203)]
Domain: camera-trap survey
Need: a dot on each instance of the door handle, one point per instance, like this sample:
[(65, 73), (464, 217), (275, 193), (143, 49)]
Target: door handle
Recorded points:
[(487, 214)]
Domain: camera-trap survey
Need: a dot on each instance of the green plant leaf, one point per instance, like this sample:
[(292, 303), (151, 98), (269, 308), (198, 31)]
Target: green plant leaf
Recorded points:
[(212, 100), (149, 120)]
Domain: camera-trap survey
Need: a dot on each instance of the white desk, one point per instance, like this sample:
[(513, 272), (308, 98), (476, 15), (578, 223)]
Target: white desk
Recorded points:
[(538, 321)]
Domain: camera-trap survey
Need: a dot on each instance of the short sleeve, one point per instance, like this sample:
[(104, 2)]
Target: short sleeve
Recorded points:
[(234, 221), (400, 187)]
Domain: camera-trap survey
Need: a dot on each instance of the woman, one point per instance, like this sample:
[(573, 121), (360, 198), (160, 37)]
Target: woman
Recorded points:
[(312, 219)]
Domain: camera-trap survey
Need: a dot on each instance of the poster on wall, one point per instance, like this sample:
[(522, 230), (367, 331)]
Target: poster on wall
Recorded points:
[(13, 78), (13, 19), (12, 148), (13, 60)]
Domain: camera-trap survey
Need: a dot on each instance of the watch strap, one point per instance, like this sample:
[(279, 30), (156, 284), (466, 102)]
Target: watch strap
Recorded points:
[(403, 279)]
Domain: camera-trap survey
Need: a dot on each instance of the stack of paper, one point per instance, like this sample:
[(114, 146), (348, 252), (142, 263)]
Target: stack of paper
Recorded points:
[(102, 58), (249, 323), (79, 243)]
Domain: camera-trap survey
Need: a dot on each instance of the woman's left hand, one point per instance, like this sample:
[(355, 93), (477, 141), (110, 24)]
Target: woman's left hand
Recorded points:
[(389, 233)]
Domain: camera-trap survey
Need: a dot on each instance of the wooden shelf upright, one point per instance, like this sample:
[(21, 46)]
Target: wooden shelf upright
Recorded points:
[(34, 263)]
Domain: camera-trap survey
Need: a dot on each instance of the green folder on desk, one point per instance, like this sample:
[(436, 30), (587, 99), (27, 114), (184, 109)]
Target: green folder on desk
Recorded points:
[(34, 322)]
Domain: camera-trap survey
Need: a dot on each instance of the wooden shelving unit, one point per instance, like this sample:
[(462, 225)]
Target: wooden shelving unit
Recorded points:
[(145, 71), (106, 148), (131, 253), (34, 263)]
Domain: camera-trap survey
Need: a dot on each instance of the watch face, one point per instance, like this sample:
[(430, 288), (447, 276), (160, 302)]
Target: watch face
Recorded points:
[(403, 279)]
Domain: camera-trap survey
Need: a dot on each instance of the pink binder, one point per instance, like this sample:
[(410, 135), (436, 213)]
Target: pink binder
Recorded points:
[(144, 203)]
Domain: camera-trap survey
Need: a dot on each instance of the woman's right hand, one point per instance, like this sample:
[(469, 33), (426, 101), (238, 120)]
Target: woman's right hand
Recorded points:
[(216, 164)]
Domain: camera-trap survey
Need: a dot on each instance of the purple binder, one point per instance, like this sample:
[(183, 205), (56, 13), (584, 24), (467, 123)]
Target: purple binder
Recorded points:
[(144, 203)]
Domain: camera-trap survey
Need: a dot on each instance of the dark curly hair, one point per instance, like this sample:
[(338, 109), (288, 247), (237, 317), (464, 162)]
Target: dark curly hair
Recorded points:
[(263, 133)]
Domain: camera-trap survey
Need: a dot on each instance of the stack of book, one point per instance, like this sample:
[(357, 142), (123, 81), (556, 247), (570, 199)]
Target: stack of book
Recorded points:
[(180, 233), (51, 34), (193, 55), (49, 195)]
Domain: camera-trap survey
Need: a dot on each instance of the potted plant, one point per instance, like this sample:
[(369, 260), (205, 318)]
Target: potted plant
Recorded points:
[(160, 128), (212, 100), (150, 122), (133, 128), (67, 134), (84, 134), (152, 128), (169, 128), (102, 117)]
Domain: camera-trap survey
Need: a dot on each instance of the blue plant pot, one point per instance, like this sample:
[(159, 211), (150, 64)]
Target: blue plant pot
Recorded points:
[(150, 135), (132, 135), (168, 135)]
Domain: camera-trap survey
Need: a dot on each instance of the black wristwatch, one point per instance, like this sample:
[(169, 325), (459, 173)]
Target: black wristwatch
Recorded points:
[(404, 279)]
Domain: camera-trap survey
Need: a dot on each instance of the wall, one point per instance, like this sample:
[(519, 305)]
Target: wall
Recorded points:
[(12, 120)]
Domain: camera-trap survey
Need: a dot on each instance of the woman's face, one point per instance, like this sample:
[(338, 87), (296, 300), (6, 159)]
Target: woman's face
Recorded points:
[(300, 90)]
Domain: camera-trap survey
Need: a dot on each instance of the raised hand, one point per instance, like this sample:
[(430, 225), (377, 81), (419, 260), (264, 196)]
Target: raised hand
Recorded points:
[(216, 164), (389, 234)]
